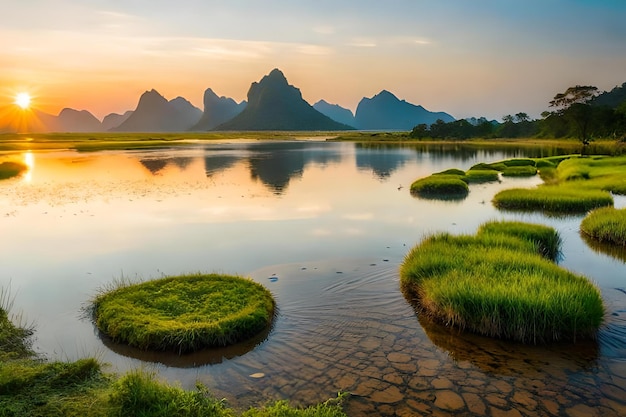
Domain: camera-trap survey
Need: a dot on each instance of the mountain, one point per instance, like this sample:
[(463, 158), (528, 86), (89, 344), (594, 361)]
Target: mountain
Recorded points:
[(335, 112), (217, 110), (385, 111), (155, 114), (613, 98), (274, 104), (114, 120), (70, 120)]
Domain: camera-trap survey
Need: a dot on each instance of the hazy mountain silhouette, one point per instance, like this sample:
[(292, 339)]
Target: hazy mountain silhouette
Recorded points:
[(613, 98), (70, 120), (114, 120), (155, 114), (385, 111), (273, 104), (217, 110), (335, 112)]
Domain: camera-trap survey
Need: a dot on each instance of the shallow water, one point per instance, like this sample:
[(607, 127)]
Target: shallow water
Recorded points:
[(325, 227)]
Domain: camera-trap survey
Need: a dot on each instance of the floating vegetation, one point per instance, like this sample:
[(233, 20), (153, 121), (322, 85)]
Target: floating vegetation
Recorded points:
[(606, 225)]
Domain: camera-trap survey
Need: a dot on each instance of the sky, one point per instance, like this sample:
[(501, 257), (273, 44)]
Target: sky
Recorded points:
[(468, 58)]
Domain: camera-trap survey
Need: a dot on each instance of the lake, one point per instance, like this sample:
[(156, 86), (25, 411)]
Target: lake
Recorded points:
[(324, 226)]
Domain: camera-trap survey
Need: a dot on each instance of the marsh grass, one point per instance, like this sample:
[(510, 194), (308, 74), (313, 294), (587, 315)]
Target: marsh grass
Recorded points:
[(478, 176), (184, 313), (9, 169), (607, 225), (440, 186), (519, 171), (576, 185), (546, 240), (552, 198), (497, 284)]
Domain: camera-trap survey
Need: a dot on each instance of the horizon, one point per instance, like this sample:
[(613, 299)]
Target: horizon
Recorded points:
[(486, 58)]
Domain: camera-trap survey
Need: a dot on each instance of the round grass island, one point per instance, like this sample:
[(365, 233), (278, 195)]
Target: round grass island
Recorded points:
[(184, 313), (503, 283)]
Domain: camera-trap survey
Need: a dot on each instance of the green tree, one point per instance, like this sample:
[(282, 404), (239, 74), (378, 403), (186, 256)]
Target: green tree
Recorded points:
[(574, 106)]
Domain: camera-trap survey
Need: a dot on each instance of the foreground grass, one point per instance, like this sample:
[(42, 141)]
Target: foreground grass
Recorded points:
[(606, 224), (33, 387), (184, 313), (498, 284)]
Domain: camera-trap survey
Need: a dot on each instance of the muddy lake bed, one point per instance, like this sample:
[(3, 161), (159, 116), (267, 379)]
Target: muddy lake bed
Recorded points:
[(324, 226)]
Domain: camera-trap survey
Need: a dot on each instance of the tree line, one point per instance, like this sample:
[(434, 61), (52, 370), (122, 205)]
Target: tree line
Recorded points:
[(579, 112)]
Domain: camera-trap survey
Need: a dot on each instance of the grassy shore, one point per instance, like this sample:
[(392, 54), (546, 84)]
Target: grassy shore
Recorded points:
[(499, 283), (184, 313), (31, 386)]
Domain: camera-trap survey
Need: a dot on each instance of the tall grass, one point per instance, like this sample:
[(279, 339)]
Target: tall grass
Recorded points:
[(184, 313), (546, 240), (498, 285), (606, 224)]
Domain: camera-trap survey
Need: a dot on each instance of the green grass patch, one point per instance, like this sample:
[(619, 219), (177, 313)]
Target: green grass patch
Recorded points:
[(477, 176), (547, 241), (606, 224), (576, 185), (440, 186), (519, 171), (9, 169), (497, 284), (552, 199), (184, 313)]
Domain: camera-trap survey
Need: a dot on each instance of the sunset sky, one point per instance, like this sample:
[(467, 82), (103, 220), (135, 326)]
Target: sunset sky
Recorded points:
[(468, 58)]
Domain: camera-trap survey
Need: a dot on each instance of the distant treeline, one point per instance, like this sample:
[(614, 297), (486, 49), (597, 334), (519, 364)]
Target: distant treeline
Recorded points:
[(579, 113)]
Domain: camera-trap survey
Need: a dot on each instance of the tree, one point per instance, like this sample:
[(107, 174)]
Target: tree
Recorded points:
[(522, 117), (507, 118), (574, 106)]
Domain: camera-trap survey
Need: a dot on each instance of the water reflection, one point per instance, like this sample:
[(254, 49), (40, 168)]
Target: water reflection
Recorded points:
[(615, 251), (156, 165), (189, 360), (382, 159), (501, 357)]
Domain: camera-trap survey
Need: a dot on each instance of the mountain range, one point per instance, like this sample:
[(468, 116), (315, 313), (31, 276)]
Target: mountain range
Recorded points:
[(273, 104)]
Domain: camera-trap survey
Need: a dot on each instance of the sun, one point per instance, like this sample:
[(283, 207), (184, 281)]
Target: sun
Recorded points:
[(23, 100)]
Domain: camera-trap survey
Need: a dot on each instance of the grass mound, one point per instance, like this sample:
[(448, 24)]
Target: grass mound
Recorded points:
[(497, 284), (11, 169), (477, 176), (441, 186), (519, 171), (552, 198), (546, 240), (184, 313), (606, 224)]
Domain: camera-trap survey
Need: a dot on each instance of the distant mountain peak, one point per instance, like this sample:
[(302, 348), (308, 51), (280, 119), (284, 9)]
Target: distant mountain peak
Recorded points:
[(274, 104), (385, 111)]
